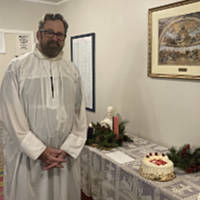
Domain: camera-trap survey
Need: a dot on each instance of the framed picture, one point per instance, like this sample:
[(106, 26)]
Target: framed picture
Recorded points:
[(83, 55), (174, 40)]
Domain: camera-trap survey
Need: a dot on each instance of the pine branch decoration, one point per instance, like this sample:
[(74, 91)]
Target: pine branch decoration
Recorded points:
[(104, 138), (185, 159)]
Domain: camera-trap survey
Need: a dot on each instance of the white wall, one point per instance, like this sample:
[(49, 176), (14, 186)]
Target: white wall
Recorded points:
[(21, 15), (163, 110)]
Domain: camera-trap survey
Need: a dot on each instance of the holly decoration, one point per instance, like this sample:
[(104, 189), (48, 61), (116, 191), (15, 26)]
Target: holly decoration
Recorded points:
[(185, 159), (104, 138)]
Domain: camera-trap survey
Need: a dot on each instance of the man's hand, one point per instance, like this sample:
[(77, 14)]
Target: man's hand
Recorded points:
[(52, 157)]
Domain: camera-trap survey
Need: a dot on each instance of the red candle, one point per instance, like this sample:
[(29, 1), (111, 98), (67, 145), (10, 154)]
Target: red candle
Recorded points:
[(116, 126)]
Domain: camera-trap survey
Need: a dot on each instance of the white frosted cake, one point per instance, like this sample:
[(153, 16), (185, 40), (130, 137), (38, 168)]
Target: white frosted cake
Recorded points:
[(157, 167)]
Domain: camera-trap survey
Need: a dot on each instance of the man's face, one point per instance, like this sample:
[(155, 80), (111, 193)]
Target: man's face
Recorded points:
[(49, 43)]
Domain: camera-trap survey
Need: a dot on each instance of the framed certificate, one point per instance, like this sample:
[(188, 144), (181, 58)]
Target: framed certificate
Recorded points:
[(83, 55)]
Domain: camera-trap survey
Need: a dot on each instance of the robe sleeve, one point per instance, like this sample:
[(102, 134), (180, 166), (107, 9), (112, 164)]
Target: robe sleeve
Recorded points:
[(13, 118), (76, 139)]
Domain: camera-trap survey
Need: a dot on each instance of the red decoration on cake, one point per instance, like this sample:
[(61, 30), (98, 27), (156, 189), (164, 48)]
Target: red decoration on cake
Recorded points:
[(158, 162)]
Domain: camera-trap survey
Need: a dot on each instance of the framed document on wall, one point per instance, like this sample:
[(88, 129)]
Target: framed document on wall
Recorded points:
[(83, 56)]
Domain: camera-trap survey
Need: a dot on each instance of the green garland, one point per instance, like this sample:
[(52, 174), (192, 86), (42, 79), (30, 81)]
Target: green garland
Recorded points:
[(105, 138), (185, 159)]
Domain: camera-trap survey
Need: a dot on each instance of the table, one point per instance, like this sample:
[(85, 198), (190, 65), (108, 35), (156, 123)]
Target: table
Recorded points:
[(105, 179)]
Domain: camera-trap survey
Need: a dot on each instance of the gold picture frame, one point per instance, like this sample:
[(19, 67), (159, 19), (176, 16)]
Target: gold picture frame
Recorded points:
[(174, 40)]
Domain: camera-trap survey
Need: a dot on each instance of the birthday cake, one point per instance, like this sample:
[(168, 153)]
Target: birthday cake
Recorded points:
[(157, 167)]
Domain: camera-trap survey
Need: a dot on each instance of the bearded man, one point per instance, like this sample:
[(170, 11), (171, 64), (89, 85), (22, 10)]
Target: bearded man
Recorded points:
[(43, 115)]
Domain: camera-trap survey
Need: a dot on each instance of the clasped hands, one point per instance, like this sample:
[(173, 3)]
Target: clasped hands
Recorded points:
[(53, 158)]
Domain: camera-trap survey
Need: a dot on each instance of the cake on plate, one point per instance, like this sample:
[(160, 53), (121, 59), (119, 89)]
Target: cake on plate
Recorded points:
[(157, 167)]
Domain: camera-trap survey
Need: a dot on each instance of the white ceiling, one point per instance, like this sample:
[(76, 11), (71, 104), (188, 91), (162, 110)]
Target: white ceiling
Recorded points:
[(52, 2)]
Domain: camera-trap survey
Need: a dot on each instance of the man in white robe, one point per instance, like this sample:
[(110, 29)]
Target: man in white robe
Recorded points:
[(44, 120)]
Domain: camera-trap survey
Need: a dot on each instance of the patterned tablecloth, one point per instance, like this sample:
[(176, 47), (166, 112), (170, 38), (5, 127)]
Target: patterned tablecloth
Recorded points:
[(106, 179)]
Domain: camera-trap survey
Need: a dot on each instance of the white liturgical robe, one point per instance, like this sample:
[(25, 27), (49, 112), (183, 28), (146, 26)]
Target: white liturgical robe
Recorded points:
[(41, 104)]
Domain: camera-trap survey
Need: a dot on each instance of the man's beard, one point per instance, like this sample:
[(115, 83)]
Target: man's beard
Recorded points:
[(51, 48)]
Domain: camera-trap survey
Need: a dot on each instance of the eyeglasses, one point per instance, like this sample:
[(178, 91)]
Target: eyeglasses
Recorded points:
[(50, 34)]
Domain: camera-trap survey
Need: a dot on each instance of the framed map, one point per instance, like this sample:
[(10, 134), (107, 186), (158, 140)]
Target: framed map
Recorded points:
[(174, 40), (83, 55)]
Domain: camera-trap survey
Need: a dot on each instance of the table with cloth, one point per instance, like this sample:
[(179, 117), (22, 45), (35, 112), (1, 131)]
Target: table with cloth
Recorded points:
[(103, 178)]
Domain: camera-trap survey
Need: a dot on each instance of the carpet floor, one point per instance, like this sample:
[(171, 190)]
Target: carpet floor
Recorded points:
[(1, 184)]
